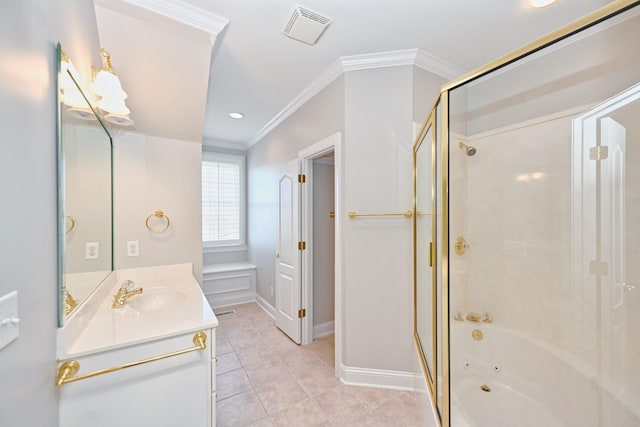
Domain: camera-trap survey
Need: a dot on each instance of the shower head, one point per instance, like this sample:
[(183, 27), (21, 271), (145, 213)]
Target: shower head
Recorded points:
[(468, 150)]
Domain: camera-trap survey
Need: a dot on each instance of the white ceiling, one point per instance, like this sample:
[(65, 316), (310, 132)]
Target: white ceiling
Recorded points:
[(257, 70)]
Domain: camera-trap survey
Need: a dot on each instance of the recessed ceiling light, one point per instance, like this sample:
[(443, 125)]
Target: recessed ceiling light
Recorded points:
[(236, 115), (540, 3)]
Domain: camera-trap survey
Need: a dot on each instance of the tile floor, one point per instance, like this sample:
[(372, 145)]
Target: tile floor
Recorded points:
[(265, 379)]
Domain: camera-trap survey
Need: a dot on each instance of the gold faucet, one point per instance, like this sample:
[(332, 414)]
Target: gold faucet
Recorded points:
[(473, 317), (124, 293)]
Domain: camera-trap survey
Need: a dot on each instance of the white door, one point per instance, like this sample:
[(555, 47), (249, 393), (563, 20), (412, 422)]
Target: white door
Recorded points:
[(288, 256)]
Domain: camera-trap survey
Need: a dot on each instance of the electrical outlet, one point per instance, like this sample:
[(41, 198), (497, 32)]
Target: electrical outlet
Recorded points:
[(9, 319), (272, 291), (133, 248), (92, 250)]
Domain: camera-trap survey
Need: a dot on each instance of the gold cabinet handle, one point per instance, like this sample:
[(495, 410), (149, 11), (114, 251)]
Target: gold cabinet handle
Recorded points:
[(68, 369)]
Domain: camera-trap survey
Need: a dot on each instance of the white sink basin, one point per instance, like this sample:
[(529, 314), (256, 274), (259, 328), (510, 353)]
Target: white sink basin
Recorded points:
[(156, 299)]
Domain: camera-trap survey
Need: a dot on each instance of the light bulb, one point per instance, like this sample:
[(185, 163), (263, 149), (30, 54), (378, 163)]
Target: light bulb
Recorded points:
[(540, 3), (107, 84)]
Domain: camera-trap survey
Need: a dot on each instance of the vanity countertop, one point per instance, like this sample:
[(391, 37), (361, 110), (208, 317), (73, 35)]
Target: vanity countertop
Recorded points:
[(172, 303)]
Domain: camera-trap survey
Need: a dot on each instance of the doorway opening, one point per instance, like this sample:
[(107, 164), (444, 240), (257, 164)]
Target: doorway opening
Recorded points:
[(321, 227)]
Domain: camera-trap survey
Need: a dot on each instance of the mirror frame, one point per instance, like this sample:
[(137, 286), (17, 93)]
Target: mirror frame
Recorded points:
[(61, 219)]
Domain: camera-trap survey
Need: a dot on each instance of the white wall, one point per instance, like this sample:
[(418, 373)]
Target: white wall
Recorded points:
[(375, 108), (377, 251), (322, 116), (150, 174), (323, 243), (29, 30)]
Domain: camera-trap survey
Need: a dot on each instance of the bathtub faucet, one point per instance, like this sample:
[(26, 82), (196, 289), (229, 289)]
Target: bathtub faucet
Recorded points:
[(473, 317)]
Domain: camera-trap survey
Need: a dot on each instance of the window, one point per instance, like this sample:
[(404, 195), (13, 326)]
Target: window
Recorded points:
[(222, 200)]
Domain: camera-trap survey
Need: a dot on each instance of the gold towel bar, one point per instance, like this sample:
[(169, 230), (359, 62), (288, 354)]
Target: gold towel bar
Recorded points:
[(68, 369), (406, 214)]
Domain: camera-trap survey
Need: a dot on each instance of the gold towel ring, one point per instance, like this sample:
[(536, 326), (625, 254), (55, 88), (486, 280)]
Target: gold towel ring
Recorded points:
[(158, 214), (73, 223)]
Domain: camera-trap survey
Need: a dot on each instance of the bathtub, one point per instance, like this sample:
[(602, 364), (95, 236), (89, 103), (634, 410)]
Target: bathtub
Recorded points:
[(509, 379)]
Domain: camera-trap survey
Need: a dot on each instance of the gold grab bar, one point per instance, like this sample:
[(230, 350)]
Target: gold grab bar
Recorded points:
[(68, 369), (406, 214)]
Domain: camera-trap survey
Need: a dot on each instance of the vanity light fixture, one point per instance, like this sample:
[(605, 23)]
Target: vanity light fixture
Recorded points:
[(70, 95), (540, 3), (107, 86), (236, 115)]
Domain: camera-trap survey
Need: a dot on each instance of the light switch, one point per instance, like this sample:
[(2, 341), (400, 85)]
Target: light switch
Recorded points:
[(92, 250), (9, 319), (133, 248)]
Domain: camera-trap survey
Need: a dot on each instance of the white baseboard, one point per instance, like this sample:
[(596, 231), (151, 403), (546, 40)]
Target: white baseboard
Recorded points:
[(264, 304), (420, 384), (221, 300), (323, 329), (396, 380)]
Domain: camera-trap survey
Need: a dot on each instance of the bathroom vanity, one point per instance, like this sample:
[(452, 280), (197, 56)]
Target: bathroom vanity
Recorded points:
[(136, 347), (150, 362)]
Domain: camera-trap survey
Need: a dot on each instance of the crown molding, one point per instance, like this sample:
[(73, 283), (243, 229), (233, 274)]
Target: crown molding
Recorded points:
[(178, 11), (436, 65), (414, 57), (331, 73), (228, 145), (369, 61)]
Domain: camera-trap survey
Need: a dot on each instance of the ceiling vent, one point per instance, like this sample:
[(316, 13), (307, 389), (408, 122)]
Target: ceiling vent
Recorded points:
[(305, 25)]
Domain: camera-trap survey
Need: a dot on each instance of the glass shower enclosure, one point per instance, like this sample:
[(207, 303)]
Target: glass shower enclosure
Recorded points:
[(527, 233)]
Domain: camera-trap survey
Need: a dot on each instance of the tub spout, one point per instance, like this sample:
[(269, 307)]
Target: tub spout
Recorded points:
[(473, 317)]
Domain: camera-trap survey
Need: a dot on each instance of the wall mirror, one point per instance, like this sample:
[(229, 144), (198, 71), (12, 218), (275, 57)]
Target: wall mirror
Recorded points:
[(85, 242)]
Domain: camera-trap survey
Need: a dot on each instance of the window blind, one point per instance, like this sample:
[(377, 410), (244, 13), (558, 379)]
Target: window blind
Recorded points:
[(221, 200)]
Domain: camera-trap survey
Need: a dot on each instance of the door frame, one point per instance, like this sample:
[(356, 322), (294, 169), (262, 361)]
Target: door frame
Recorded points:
[(333, 144)]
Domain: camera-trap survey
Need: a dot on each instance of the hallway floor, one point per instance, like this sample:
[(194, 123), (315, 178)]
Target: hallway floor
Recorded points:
[(265, 379)]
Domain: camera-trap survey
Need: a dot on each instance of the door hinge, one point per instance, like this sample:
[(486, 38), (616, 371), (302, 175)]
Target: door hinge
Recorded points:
[(302, 178), (600, 152), (302, 246), (302, 313)]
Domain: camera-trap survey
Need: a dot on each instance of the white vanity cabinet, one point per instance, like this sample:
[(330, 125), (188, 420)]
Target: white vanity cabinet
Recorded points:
[(175, 391), (140, 363)]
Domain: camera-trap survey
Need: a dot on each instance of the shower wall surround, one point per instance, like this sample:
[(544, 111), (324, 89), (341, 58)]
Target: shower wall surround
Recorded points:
[(515, 212)]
